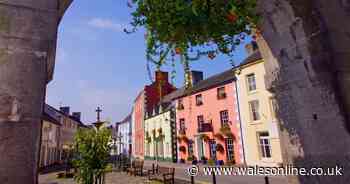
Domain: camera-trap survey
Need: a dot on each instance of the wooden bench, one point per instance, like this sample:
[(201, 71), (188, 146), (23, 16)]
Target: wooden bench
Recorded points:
[(136, 168), (164, 174)]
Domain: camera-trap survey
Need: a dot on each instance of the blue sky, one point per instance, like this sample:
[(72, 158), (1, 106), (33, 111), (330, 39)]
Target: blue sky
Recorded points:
[(97, 64)]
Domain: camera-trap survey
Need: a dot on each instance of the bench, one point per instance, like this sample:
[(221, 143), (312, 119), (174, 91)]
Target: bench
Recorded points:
[(136, 168), (164, 174)]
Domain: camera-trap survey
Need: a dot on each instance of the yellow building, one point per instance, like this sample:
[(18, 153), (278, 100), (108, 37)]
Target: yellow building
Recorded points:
[(259, 126), (50, 136)]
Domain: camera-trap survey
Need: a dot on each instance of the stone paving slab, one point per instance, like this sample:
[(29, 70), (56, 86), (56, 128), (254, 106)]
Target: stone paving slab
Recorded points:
[(111, 178)]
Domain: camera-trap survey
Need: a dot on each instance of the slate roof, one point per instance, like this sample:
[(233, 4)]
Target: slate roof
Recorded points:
[(251, 58), (55, 114), (213, 81)]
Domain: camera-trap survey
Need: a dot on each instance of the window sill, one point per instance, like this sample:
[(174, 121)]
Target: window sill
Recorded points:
[(255, 122), (252, 92)]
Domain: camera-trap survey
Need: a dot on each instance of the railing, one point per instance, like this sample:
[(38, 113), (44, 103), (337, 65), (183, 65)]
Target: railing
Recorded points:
[(205, 127)]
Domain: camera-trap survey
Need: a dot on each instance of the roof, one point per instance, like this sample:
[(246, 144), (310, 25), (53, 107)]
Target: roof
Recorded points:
[(211, 82), (251, 58), (125, 120), (54, 113), (50, 114)]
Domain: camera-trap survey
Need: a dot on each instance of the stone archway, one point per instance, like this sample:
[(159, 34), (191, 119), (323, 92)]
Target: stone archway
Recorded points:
[(306, 48), (28, 35), (306, 44)]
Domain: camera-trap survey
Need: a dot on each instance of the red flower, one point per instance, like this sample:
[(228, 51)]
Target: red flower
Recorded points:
[(178, 50), (231, 17)]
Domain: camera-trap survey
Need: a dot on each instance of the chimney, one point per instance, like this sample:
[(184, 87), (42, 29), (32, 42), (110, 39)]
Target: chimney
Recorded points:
[(65, 110), (196, 76), (77, 115), (161, 76), (251, 47)]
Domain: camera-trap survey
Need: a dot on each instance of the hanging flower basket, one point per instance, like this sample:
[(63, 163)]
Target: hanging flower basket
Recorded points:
[(185, 139), (205, 137), (179, 139), (182, 149), (160, 130), (226, 130), (220, 148), (215, 27), (219, 136)]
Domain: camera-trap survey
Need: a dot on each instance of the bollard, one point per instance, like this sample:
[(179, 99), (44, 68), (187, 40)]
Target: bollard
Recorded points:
[(214, 178), (267, 180)]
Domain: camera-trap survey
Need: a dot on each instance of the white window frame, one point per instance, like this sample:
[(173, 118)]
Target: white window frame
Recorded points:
[(264, 144), (230, 149), (254, 111), (251, 82)]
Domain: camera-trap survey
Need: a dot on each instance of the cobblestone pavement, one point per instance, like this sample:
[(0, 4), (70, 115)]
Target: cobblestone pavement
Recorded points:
[(111, 178)]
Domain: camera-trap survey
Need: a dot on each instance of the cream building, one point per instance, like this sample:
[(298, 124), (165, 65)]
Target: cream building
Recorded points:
[(159, 136), (259, 126)]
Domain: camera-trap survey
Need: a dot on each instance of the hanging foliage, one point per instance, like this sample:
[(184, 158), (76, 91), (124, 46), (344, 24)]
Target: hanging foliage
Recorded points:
[(192, 28)]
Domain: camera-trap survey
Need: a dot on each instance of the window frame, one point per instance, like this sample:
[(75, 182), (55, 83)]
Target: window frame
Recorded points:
[(249, 83), (223, 118), (221, 93), (264, 145), (230, 149), (200, 123), (199, 99), (254, 115)]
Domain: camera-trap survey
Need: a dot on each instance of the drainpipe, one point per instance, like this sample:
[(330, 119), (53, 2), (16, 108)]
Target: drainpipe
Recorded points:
[(240, 120)]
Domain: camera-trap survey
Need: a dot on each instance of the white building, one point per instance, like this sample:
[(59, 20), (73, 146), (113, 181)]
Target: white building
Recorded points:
[(124, 136)]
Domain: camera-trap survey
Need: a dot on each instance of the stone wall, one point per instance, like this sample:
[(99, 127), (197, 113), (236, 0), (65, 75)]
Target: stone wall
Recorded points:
[(306, 50), (28, 33)]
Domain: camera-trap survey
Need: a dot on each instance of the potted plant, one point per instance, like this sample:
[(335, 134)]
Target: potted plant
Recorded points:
[(230, 162), (219, 136), (182, 160), (219, 162), (211, 162), (204, 160)]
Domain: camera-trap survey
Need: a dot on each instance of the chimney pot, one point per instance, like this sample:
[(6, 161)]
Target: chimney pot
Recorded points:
[(65, 110), (161, 76), (251, 47), (77, 115), (196, 76)]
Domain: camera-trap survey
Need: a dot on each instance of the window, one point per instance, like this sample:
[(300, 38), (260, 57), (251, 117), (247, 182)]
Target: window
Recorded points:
[(254, 110), (264, 144), (182, 128), (200, 120), (221, 94), (251, 83), (230, 148), (212, 144), (180, 105), (199, 100), (224, 117), (273, 107)]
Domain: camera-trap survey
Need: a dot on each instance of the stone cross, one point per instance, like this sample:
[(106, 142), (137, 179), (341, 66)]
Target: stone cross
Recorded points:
[(98, 110)]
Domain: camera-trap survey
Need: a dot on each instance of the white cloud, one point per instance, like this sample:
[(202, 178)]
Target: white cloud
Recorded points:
[(107, 24)]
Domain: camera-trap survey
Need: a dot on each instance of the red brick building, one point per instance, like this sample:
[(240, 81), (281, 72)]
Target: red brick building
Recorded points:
[(144, 103)]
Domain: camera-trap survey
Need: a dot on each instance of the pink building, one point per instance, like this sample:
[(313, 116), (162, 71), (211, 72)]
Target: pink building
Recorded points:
[(208, 120)]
